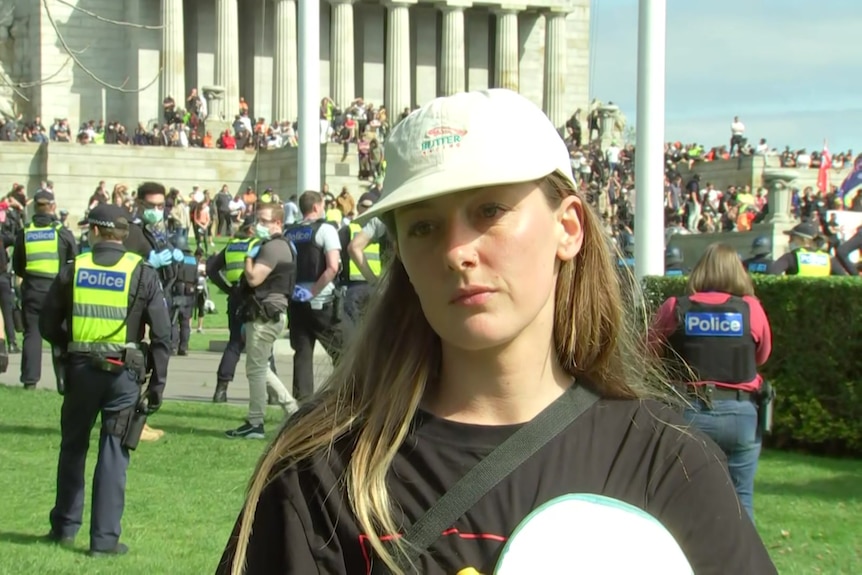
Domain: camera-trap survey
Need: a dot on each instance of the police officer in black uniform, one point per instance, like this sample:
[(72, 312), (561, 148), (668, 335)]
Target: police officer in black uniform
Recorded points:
[(4, 356), (183, 298), (673, 262), (226, 276), (313, 310), (7, 295), (806, 258), (43, 249), (761, 256), (105, 298)]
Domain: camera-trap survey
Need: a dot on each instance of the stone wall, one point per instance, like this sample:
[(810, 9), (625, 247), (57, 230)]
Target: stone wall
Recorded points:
[(102, 47), (76, 170), (747, 171), (129, 56)]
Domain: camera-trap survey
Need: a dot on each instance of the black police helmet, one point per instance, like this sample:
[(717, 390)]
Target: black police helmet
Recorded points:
[(672, 256), (761, 246)]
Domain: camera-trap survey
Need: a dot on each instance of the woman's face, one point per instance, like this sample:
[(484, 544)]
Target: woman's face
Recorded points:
[(484, 262)]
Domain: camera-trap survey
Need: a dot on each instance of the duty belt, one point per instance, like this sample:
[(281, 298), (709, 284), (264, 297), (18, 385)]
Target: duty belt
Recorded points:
[(710, 392)]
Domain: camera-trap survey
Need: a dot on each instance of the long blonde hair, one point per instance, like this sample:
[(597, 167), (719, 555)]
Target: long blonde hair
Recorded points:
[(720, 270), (376, 388)]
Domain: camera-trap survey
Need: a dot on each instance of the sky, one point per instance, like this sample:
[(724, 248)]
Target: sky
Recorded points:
[(788, 69)]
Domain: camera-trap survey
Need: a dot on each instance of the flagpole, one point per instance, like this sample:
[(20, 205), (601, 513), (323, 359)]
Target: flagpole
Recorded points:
[(649, 161), (308, 164)]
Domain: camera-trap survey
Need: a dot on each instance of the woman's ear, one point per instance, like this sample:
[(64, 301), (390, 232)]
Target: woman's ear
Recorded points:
[(570, 216)]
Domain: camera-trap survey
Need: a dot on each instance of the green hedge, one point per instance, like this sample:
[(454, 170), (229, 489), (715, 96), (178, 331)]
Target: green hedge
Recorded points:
[(816, 361)]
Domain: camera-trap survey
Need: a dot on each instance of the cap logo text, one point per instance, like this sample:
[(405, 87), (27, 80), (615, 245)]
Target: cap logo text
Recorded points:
[(442, 137)]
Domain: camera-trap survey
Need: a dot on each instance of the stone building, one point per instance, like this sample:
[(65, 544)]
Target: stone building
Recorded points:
[(396, 53)]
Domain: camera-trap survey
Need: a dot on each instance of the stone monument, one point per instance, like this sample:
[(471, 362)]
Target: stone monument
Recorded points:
[(7, 57), (216, 122), (778, 182)]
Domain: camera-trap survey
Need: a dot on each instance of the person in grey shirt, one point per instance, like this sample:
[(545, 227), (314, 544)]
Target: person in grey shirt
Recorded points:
[(269, 275)]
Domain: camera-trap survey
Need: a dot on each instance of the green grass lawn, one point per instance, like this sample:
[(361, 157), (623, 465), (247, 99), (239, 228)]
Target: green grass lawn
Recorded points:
[(184, 493)]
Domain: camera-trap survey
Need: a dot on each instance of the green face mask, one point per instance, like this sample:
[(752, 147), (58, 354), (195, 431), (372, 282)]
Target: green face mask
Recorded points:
[(261, 232), (152, 216)]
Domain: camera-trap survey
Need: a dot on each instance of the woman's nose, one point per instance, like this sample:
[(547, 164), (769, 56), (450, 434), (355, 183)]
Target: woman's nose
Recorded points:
[(460, 244)]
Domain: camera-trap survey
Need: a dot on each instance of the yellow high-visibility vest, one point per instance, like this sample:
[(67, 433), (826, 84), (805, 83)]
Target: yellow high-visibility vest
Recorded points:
[(42, 250), (335, 216), (372, 256), (813, 264), (234, 257), (100, 303)]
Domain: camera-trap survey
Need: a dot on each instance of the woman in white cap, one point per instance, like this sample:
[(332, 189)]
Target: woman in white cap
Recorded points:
[(500, 317)]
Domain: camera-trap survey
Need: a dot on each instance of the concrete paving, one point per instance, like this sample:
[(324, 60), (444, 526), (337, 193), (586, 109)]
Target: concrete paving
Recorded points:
[(191, 377)]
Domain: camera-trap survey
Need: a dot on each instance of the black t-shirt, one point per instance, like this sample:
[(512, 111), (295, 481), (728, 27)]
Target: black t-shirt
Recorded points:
[(637, 452)]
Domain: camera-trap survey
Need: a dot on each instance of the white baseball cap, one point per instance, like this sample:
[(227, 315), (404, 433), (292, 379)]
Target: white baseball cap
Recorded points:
[(466, 141)]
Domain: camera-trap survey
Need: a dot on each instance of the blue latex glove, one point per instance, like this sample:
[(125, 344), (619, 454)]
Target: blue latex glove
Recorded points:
[(301, 294), (165, 257), (177, 255), (159, 259), (252, 253)]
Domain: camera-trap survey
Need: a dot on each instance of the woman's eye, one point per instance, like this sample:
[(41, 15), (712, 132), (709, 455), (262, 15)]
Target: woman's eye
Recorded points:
[(491, 210), (419, 229)]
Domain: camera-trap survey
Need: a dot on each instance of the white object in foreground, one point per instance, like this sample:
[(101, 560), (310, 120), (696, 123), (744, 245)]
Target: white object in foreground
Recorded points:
[(590, 534)]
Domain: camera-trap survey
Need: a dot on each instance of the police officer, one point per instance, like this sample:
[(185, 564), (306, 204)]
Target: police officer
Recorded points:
[(42, 250), (269, 275), (761, 256), (333, 214), (7, 296), (719, 335), (313, 310), (183, 298), (367, 255), (673, 262), (804, 258), (148, 238), (106, 297), (225, 270), (4, 356)]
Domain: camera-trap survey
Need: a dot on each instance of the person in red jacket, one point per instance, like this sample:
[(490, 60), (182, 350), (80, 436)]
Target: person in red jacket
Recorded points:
[(721, 333)]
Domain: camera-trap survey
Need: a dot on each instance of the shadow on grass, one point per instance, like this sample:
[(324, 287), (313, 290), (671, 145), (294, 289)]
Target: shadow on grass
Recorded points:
[(844, 487), (28, 539), (11, 429)]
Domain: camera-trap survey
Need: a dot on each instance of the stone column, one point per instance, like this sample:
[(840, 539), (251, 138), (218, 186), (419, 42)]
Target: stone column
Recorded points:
[(506, 61), (397, 85), (779, 183), (227, 55), (607, 124), (284, 83), (453, 73), (342, 75), (173, 52), (554, 99)]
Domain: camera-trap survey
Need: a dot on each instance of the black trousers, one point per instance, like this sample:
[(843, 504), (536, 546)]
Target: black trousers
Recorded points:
[(31, 353), (235, 345), (181, 330), (90, 392), (7, 304), (308, 326)]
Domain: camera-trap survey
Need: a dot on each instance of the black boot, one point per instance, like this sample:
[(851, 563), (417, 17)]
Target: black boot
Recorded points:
[(220, 395)]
